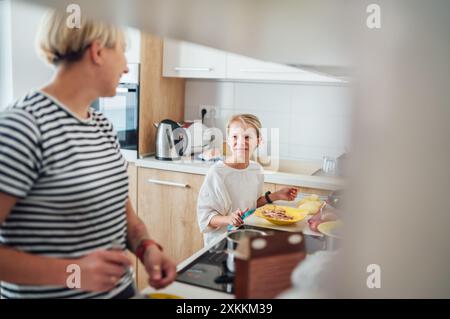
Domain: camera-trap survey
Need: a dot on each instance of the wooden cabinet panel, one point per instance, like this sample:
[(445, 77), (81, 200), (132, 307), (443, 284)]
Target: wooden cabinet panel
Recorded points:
[(167, 205), (159, 97)]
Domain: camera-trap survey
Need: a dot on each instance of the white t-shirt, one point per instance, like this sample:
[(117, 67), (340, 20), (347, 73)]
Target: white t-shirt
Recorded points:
[(225, 190)]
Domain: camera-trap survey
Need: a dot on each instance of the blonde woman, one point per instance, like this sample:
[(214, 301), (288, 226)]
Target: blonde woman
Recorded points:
[(235, 185), (63, 182)]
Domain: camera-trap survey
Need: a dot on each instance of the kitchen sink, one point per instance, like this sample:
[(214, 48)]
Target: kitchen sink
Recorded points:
[(291, 166)]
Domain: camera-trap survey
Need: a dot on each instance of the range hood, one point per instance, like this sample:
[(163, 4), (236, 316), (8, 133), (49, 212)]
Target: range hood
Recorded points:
[(339, 72)]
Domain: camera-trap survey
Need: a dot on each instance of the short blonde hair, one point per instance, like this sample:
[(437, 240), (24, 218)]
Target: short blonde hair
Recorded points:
[(246, 119), (59, 43)]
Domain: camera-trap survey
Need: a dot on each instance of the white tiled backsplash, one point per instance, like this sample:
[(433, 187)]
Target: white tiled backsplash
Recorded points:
[(313, 120)]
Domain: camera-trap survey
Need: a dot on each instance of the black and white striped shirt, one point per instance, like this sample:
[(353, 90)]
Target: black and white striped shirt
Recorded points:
[(71, 183)]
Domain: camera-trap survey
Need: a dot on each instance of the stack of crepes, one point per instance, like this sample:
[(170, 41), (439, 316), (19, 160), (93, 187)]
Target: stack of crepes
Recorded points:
[(311, 204)]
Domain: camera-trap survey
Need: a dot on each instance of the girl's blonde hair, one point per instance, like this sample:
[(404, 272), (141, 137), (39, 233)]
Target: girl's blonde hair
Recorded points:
[(247, 119), (59, 43)]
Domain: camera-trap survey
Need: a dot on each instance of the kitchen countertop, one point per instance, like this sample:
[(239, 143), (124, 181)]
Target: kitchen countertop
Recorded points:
[(189, 291), (186, 291), (276, 177)]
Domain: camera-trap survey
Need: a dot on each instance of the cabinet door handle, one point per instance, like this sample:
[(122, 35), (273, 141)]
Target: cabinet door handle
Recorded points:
[(178, 69), (167, 183)]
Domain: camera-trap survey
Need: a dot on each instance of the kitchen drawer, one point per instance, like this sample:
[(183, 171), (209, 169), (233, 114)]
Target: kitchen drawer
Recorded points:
[(167, 204)]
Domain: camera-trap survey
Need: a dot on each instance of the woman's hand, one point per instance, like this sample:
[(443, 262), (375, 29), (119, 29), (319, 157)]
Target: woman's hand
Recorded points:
[(160, 269), (101, 270), (286, 193)]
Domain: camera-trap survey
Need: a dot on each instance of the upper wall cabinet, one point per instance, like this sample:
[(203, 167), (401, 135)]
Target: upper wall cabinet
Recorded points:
[(188, 60), (244, 68)]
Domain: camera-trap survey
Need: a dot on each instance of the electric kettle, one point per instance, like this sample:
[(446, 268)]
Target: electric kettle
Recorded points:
[(171, 140)]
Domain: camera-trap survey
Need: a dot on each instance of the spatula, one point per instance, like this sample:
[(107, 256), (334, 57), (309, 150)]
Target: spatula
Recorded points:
[(246, 214)]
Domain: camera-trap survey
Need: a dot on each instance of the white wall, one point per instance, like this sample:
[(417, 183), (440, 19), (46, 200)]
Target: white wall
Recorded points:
[(29, 71), (6, 90), (313, 120)]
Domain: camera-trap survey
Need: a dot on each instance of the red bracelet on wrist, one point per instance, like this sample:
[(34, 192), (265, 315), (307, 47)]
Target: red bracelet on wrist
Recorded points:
[(140, 251)]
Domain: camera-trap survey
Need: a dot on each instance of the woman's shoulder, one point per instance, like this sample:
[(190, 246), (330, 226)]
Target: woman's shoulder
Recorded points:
[(29, 102), (98, 115), (25, 109), (100, 118)]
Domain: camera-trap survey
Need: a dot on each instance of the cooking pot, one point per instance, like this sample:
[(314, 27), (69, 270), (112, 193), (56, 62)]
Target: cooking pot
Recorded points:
[(331, 234), (234, 238)]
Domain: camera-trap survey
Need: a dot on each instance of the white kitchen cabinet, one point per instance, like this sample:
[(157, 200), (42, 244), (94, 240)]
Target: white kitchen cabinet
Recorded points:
[(188, 60), (244, 68)]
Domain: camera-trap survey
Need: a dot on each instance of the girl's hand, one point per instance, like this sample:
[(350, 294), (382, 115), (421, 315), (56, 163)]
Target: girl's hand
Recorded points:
[(286, 193), (235, 218)]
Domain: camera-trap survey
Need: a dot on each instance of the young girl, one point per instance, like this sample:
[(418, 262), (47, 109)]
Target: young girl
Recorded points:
[(235, 185)]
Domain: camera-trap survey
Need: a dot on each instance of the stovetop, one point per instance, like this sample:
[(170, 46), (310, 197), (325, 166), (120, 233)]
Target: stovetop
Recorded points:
[(210, 269)]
